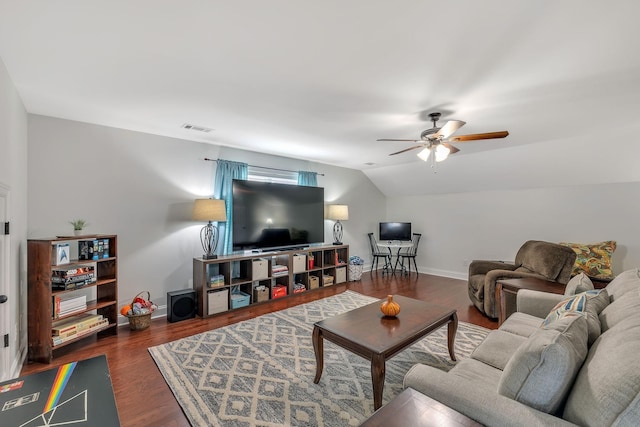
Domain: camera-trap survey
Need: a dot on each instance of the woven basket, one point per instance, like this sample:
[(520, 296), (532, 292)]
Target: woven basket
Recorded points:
[(355, 272), (138, 322)]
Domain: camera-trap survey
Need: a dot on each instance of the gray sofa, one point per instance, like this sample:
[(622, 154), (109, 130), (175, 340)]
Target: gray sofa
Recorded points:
[(579, 368)]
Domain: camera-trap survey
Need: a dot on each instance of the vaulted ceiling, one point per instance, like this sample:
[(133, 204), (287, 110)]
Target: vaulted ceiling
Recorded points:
[(323, 80)]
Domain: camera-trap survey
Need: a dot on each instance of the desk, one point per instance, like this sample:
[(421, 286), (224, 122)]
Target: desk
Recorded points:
[(391, 245), (509, 288)]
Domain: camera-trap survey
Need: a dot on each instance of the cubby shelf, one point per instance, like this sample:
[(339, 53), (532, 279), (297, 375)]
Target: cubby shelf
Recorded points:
[(236, 277)]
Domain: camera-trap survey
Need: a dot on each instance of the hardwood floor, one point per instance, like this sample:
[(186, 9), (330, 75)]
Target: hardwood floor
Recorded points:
[(144, 399)]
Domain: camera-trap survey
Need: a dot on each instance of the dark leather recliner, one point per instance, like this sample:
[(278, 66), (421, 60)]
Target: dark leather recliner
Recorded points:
[(544, 260)]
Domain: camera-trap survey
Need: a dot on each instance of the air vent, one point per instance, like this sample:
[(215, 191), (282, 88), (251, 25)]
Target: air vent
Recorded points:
[(369, 163), (196, 128)]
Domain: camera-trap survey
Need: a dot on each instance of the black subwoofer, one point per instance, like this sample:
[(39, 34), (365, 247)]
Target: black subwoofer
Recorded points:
[(181, 305)]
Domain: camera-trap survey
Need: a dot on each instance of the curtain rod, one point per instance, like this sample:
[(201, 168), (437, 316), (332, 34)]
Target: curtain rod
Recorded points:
[(263, 167)]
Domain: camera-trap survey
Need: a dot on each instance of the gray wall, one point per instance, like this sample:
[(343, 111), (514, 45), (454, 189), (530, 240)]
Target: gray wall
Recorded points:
[(13, 177), (141, 187), (461, 227)]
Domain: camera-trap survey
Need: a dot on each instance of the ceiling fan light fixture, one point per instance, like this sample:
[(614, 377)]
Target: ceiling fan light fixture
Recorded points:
[(424, 154), (442, 152)]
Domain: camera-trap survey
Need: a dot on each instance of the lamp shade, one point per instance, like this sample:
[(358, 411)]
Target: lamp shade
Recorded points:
[(338, 212), (209, 210)]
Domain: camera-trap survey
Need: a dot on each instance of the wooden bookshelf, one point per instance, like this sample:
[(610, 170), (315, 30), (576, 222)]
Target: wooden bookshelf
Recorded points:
[(40, 266)]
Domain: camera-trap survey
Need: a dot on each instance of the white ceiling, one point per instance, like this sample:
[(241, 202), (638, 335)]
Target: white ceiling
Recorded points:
[(323, 80)]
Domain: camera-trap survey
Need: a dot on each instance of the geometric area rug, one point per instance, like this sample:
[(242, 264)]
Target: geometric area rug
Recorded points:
[(259, 372)]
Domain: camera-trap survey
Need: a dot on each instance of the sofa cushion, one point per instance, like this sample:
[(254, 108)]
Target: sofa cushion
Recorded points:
[(607, 388), (622, 308), (597, 300), (522, 324), (577, 284), (594, 259), (542, 370), (497, 348), (476, 372), (623, 283), (576, 304)]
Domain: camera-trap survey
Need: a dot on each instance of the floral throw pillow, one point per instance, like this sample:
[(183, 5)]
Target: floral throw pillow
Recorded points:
[(594, 259)]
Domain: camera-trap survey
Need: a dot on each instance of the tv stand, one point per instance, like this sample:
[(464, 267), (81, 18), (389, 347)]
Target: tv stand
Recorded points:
[(234, 281)]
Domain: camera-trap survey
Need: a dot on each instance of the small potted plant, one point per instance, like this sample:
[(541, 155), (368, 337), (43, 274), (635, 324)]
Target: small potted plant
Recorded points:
[(78, 226)]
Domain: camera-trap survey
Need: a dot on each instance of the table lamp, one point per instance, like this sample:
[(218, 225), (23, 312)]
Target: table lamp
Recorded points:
[(337, 213), (209, 210)]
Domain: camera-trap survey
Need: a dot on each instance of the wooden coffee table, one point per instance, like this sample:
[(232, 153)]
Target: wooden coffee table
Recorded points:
[(366, 332), (412, 408)]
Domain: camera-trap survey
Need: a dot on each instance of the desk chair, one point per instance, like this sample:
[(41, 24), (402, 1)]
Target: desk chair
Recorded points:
[(376, 253), (409, 253)]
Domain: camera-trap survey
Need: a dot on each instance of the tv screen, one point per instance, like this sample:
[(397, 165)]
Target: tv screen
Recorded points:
[(268, 215), (395, 231)]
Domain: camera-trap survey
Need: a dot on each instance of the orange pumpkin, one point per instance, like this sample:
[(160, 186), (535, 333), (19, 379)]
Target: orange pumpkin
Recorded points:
[(125, 309), (390, 307)]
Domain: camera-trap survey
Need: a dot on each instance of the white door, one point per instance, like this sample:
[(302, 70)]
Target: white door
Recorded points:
[(4, 285)]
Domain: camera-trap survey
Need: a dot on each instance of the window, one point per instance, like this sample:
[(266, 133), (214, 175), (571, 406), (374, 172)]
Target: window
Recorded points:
[(263, 174)]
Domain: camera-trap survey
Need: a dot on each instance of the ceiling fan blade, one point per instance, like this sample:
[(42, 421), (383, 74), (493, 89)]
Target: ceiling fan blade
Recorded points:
[(449, 128), (401, 140), (407, 149), (452, 149), (477, 136)]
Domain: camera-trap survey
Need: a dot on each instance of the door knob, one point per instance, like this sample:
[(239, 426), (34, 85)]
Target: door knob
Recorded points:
[(3, 298)]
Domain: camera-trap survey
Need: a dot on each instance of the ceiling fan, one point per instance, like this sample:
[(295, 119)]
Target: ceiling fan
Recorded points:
[(438, 139)]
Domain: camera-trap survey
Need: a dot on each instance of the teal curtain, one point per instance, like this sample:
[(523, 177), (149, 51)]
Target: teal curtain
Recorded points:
[(309, 179), (226, 172)]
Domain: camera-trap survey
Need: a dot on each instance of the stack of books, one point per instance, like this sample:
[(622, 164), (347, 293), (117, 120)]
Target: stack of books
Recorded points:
[(280, 270), (76, 327), (68, 304), (71, 278)]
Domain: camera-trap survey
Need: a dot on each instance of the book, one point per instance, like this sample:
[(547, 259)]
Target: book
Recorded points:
[(73, 323), (105, 254), (279, 270), (85, 249), (62, 279), (60, 254), (100, 324), (94, 253), (65, 305)]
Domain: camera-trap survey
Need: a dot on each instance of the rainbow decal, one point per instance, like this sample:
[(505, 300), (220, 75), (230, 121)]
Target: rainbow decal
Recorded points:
[(62, 378)]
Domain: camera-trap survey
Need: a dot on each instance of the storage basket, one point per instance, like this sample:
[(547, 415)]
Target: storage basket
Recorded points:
[(355, 272), (138, 322)]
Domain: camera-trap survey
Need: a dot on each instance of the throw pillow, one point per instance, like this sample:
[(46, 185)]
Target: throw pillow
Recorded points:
[(576, 305), (593, 259), (597, 300), (542, 370), (578, 284)]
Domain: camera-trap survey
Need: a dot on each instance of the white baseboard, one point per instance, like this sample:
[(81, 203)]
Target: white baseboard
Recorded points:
[(433, 271)]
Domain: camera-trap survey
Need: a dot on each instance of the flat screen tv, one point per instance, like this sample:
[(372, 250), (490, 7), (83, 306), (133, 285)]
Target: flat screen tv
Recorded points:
[(276, 216), (395, 231)]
